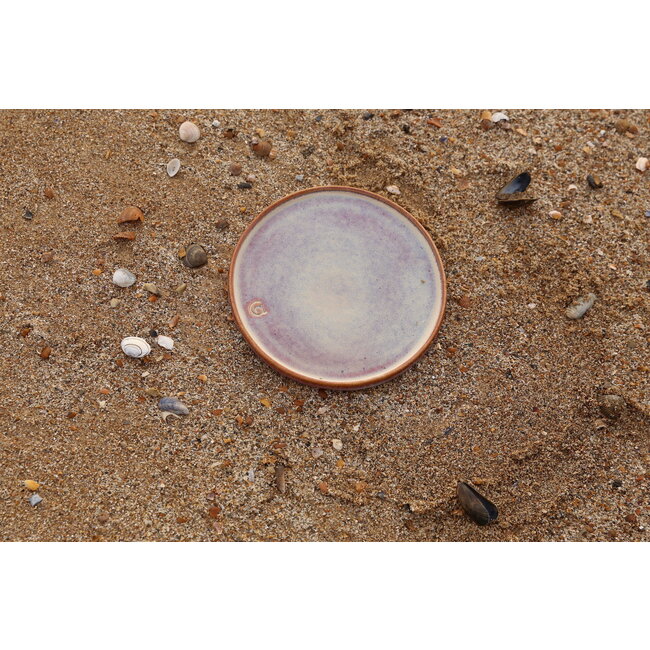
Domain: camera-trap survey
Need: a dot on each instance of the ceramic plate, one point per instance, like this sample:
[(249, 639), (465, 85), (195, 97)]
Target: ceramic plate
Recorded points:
[(337, 287)]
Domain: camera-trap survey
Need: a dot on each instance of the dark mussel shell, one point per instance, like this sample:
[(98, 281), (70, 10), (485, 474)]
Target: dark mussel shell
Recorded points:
[(513, 192), (594, 182), (476, 506)]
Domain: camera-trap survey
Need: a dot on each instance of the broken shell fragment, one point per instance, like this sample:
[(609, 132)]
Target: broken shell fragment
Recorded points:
[(594, 182), (130, 214), (165, 342), (195, 256), (580, 306), (189, 132), (173, 405), (123, 278), (513, 193), (500, 117), (35, 499), (151, 288), (134, 346), (476, 506), (261, 148), (173, 166), (611, 405), (642, 164), (32, 485)]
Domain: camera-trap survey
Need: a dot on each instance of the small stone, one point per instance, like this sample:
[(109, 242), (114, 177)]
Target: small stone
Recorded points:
[(281, 478), (229, 133), (465, 302), (244, 186), (214, 512), (114, 302), (202, 378), (34, 500), (261, 148), (189, 132), (32, 485), (367, 115), (316, 452), (554, 214), (625, 126), (587, 219), (180, 288), (221, 225), (151, 288), (337, 444), (611, 406), (45, 352), (216, 124), (393, 189), (102, 518), (173, 167), (580, 306), (235, 169), (47, 257), (642, 164), (300, 177), (49, 193), (28, 214)]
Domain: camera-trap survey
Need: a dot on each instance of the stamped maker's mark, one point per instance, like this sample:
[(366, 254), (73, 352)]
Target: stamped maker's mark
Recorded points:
[(256, 309)]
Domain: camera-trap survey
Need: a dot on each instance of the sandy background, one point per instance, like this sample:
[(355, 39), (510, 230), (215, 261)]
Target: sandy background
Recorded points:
[(506, 396)]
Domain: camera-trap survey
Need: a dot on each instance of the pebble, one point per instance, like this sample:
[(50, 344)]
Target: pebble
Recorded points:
[(300, 177), (195, 256), (49, 193), (173, 167), (34, 500), (28, 214), (32, 485), (625, 126), (281, 478), (367, 115), (244, 186), (580, 306), (216, 124), (130, 214), (173, 405), (554, 214), (151, 288), (393, 189), (189, 132), (642, 164), (316, 452), (235, 169), (587, 219), (611, 406), (337, 444), (165, 342), (45, 352), (180, 288), (594, 182), (500, 117), (123, 278), (114, 302)]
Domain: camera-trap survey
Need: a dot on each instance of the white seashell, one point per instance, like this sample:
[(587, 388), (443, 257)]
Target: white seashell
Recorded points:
[(500, 117), (581, 306), (134, 346), (393, 189), (189, 132), (173, 166), (123, 278), (165, 342), (642, 164)]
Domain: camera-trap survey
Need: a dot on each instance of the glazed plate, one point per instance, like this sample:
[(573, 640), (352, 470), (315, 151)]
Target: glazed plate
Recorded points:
[(337, 287)]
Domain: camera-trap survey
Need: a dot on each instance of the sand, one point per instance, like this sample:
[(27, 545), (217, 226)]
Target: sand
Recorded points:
[(507, 396)]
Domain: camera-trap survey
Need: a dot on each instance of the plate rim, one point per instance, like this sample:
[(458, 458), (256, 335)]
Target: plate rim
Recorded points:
[(306, 379)]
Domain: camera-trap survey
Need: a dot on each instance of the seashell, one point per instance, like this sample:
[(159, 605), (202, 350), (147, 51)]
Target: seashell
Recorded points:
[(195, 256), (393, 189), (165, 342), (476, 506), (129, 214), (173, 167), (611, 405), (642, 164), (125, 234), (32, 485), (151, 288), (500, 117), (166, 414), (580, 306), (189, 132), (281, 478), (173, 405), (134, 346), (34, 500), (123, 278), (513, 193), (594, 182), (261, 148), (235, 169)]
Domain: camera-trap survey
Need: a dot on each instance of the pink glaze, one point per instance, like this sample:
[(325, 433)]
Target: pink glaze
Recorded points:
[(337, 288)]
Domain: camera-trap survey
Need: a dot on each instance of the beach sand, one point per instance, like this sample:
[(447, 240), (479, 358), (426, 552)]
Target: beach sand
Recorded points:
[(506, 397)]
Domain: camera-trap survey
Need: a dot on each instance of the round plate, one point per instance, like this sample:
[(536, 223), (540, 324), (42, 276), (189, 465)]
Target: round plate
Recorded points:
[(337, 287)]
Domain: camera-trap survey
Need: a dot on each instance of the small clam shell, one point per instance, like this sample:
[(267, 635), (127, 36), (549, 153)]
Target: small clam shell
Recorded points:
[(476, 506), (611, 405), (173, 405), (134, 346), (189, 132), (173, 166), (261, 148), (123, 278), (195, 256), (580, 306), (165, 342), (500, 117)]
